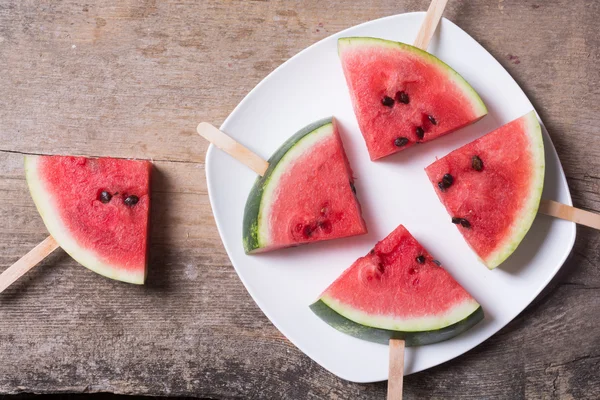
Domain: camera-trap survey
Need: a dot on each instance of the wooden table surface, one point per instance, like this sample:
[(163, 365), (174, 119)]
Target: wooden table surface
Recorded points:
[(132, 79)]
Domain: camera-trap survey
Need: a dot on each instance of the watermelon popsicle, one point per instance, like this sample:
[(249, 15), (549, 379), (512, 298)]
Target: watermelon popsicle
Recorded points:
[(403, 95), (97, 210), (398, 291), (492, 187), (306, 193)]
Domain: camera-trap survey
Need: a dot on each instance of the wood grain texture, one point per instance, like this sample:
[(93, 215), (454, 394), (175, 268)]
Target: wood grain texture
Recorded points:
[(133, 78)]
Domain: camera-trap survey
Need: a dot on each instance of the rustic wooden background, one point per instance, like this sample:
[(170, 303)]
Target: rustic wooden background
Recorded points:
[(132, 79)]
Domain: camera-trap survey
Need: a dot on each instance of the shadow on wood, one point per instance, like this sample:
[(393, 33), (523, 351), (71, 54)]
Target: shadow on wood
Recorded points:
[(158, 266)]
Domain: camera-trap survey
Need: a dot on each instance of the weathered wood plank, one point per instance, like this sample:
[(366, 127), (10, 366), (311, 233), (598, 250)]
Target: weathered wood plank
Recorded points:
[(132, 79)]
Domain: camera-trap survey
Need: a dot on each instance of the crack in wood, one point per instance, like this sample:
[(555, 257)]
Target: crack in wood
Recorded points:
[(554, 388), (575, 360), (25, 153)]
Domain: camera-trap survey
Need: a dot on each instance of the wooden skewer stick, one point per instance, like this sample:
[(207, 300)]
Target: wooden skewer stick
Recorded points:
[(430, 23), (28, 261), (396, 370), (233, 148), (563, 211)]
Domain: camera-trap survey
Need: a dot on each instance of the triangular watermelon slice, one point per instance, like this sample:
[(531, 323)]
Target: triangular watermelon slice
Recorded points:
[(492, 187), (403, 95), (398, 291), (96, 209), (306, 195)]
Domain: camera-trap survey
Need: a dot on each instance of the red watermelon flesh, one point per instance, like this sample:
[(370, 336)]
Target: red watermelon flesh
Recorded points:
[(399, 286), (402, 95), (496, 186), (108, 234), (306, 195), (296, 216)]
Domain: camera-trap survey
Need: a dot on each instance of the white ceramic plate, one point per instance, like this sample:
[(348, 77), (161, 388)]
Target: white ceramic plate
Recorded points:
[(395, 190)]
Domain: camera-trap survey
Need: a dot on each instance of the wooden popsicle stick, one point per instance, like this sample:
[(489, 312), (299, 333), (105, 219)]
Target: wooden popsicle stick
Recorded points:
[(233, 148), (396, 370), (563, 211), (28, 261), (430, 23)]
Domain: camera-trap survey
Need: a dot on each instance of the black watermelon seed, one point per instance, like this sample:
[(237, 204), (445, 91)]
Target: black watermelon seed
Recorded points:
[(432, 120), (462, 221), (401, 141), (446, 182), (105, 196), (131, 200), (352, 187), (436, 262), (372, 251), (420, 259), (387, 101), (420, 132), (402, 97), (476, 163)]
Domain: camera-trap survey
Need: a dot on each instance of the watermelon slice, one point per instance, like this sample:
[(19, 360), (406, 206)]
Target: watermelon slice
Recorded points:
[(403, 95), (492, 187), (306, 195), (96, 209), (398, 291)]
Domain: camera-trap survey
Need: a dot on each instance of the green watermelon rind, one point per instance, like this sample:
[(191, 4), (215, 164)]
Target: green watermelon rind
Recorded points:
[(525, 218), (478, 106), (49, 213), (380, 335), (417, 324), (253, 227)]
